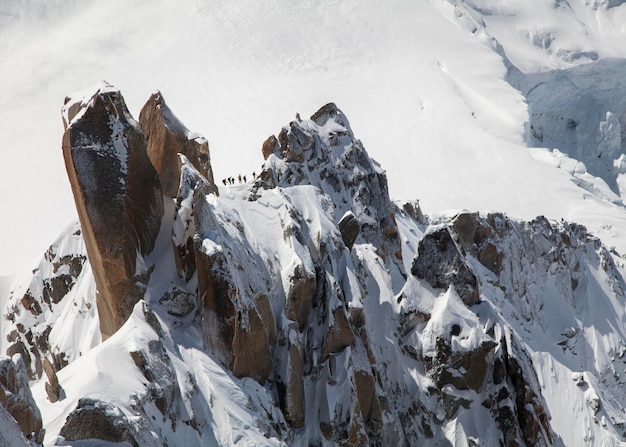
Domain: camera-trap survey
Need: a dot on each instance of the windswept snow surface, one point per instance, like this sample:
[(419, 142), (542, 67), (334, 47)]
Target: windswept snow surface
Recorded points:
[(423, 83)]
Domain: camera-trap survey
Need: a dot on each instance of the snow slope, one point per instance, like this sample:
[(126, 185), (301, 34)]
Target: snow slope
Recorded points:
[(422, 82)]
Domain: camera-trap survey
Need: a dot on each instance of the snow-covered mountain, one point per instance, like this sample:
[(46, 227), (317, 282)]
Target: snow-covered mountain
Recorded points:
[(317, 302)]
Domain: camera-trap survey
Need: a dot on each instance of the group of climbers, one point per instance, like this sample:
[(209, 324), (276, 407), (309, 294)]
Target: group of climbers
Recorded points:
[(240, 178)]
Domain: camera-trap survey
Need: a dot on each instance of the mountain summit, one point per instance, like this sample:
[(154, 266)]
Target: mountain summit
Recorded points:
[(302, 307)]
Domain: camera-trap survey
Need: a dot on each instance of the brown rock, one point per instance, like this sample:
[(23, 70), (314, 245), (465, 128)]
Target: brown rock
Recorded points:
[(465, 225), (53, 389), (270, 146), (252, 356), (215, 299), (117, 194), (357, 434), (366, 394), (302, 286), (266, 313), (167, 137), (29, 302), (340, 334), (491, 258), (294, 399), (18, 398), (291, 148)]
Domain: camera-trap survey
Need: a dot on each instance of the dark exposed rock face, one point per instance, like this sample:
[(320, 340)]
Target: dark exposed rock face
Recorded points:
[(17, 398), (157, 369), (10, 433), (117, 194), (167, 137), (440, 262), (94, 419), (521, 265), (474, 235), (349, 228)]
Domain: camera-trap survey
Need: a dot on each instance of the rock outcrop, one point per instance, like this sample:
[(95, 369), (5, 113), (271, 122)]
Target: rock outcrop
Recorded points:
[(350, 228), (237, 330), (53, 389), (117, 194), (10, 433), (440, 262), (184, 226), (167, 137), (49, 299), (17, 399), (94, 419)]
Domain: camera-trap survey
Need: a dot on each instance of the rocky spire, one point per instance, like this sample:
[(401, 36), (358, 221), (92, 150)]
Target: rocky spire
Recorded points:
[(167, 137), (117, 194)]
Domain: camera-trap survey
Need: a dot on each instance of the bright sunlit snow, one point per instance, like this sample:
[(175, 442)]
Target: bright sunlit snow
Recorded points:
[(423, 83)]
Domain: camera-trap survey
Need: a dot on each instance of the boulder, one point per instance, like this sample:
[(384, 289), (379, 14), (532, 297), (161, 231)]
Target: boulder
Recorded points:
[(270, 146), (167, 137), (340, 334), (349, 228), (117, 194)]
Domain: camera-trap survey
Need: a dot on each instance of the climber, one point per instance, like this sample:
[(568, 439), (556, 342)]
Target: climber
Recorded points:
[(239, 178)]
